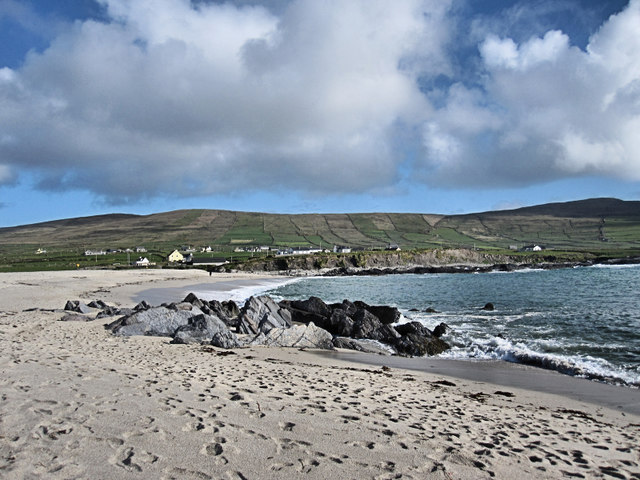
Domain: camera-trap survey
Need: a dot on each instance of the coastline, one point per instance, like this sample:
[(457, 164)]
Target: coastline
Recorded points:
[(78, 402)]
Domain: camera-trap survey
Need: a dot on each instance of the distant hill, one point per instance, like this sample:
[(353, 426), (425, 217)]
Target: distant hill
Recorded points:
[(596, 224)]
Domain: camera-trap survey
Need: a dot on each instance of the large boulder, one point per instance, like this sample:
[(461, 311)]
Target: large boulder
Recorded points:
[(307, 311), (387, 315), (366, 325), (261, 314), (160, 321), (206, 329), (416, 340), (299, 336)]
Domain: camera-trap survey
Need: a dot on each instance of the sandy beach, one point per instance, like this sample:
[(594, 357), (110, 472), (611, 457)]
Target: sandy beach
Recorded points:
[(78, 402)]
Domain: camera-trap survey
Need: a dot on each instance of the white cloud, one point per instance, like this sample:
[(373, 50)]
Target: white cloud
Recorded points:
[(169, 98), (194, 98), (549, 110)]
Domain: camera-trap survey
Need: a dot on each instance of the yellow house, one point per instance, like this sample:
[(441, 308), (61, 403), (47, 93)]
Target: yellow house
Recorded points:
[(175, 257)]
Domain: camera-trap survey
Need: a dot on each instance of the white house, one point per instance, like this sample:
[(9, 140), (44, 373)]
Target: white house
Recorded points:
[(142, 262)]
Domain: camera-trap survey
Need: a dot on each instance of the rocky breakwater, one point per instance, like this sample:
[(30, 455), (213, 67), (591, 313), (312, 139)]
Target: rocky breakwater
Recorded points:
[(261, 321)]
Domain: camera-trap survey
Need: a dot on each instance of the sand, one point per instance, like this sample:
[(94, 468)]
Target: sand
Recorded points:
[(77, 402)]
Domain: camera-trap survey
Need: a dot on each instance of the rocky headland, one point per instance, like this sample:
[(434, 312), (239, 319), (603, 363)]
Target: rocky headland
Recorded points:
[(419, 262)]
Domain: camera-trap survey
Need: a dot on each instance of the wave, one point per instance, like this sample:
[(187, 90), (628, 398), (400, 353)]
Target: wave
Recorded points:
[(241, 293), (577, 366)]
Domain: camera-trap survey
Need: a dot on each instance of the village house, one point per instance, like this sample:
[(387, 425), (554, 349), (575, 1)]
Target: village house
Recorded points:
[(90, 253), (142, 262), (175, 257), (141, 250), (40, 251), (213, 261), (341, 249)]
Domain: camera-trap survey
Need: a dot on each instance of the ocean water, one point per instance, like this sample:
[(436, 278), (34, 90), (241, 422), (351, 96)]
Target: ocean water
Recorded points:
[(581, 321)]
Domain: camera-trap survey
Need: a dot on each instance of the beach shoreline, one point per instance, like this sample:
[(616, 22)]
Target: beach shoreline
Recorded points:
[(78, 402)]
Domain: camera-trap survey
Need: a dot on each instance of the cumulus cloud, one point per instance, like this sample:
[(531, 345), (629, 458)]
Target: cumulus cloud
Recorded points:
[(191, 98), (551, 110)]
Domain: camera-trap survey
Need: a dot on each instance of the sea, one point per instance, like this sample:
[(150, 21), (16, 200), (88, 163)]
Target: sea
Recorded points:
[(582, 321)]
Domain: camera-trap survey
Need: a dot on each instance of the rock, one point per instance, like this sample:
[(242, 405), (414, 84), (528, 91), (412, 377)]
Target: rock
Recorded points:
[(431, 310), (313, 305), (113, 311), (71, 305), (226, 311), (299, 336), (77, 306), (417, 340), (387, 315), (186, 306), (440, 329), (261, 314), (489, 307), (363, 345), (159, 321), (365, 325), (143, 305), (346, 305), (97, 304), (206, 329), (340, 323), (307, 311), (231, 309), (194, 300)]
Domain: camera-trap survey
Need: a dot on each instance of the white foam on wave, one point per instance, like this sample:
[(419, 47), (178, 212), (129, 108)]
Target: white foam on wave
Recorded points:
[(615, 267), (241, 293), (496, 348)]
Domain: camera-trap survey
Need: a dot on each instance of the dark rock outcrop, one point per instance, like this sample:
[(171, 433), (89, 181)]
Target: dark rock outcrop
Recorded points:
[(301, 323), (350, 322), (489, 307), (206, 329), (417, 341), (440, 329)]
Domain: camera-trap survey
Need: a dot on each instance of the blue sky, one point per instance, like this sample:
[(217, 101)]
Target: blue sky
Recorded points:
[(434, 106)]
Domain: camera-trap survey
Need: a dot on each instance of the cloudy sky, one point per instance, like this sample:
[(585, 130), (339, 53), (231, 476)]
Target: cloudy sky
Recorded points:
[(292, 106)]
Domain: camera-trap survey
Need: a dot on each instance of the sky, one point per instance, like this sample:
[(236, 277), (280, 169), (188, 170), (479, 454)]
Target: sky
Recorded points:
[(310, 106)]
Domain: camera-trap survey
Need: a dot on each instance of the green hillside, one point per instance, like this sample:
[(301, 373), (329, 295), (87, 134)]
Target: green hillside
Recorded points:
[(598, 225)]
